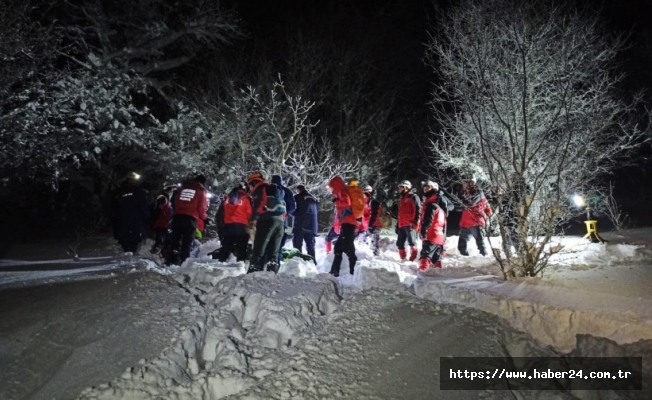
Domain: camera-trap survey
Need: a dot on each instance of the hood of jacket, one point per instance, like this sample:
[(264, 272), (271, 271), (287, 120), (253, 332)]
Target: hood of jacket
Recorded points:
[(278, 180), (336, 184)]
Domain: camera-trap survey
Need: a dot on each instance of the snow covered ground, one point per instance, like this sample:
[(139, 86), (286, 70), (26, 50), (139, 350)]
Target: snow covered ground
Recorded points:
[(304, 334), (597, 289)]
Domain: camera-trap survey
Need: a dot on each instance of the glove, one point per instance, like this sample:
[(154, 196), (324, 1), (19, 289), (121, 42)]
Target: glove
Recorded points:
[(415, 227)]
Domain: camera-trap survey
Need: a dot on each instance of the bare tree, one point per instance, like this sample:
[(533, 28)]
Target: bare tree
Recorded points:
[(528, 100), (610, 207), (313, 164)]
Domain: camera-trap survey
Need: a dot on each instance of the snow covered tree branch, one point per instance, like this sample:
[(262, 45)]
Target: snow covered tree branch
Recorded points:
[(535, 112), (145, 37)]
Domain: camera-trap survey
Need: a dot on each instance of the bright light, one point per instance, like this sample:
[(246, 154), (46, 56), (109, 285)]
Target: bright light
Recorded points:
[(136, 176), (579, 200), (209, 195)]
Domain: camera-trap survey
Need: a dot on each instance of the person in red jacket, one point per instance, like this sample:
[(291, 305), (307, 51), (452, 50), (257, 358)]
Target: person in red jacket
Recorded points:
[(162, 215), (190, 206), (348, 224), (473, 218), (409, 212), (433, 220), (233, 217)]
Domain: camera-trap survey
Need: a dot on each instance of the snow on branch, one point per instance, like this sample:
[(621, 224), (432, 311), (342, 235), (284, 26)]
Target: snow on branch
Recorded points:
[(535, 109)]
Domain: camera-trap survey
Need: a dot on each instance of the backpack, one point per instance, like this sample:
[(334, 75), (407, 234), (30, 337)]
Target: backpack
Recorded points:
[(445, 203), (275, 204), (357, 201)]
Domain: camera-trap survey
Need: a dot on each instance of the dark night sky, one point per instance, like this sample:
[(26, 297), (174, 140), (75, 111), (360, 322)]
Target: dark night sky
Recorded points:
[(393, 30), (396, 31)]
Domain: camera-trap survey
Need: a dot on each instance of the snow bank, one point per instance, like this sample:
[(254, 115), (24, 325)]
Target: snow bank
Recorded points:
[(245, 326), (551, 314)]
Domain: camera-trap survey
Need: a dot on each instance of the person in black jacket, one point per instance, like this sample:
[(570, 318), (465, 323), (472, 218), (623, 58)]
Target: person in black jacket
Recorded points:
[(305, 226), (133, 211)]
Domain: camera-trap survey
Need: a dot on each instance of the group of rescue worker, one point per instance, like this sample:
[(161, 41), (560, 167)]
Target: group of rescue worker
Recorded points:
[(258, 210)]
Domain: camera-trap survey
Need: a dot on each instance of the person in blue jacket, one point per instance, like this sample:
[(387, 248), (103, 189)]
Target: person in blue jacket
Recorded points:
[(133, 211), (305, 227), (290, 206)]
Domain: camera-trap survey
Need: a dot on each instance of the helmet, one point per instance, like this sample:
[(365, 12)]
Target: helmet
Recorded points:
[(368, 189), (406, 184), (255, 177), (353, 183), (430, 183), (470, 179), (169, 185)]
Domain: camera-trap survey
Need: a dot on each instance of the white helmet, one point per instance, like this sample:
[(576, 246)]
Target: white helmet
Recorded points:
[(406, 183), (368, 189), (430, 183)]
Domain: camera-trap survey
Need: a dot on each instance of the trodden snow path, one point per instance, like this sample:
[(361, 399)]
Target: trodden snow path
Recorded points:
[(266, 336), (386, 344), (55, 340)]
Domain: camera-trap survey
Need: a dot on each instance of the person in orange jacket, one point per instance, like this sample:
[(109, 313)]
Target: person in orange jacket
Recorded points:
[(348, 224), (409, 211), (233, 217)]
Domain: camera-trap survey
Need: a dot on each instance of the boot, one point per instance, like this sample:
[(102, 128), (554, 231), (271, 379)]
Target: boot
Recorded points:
[(272, 266), (403, 254), (424, 264), (352, 261), (437, 264), (413, 253), (335, 268), (329, 247), (443, 253)]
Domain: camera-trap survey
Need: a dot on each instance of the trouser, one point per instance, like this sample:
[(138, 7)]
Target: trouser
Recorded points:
[(183, 234), (284, 239), (129, 237), (161, 236), (236, 244), (374, 233), (297, 242), (129, 245), (345, 244), (465, 236), (269, 233), (431, 251), (406, 233)]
